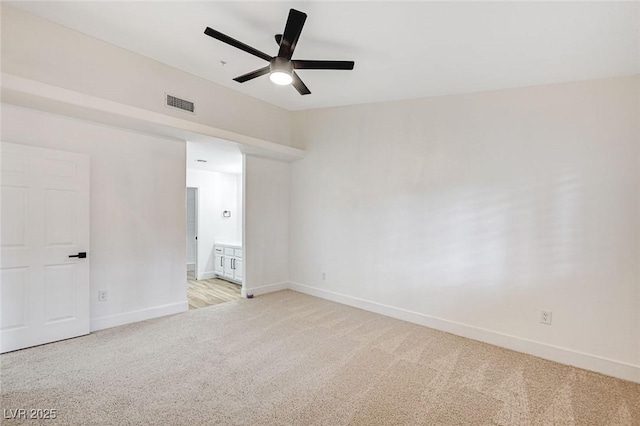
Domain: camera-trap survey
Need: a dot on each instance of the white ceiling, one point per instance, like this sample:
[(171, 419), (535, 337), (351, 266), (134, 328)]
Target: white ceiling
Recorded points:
[(402, 50), (221, 156)]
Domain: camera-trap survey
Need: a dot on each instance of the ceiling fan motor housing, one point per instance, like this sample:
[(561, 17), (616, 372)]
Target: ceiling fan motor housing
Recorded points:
[(281, 65)]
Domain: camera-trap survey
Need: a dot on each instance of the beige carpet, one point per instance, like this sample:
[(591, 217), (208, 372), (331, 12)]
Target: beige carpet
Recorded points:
[(287, 358)]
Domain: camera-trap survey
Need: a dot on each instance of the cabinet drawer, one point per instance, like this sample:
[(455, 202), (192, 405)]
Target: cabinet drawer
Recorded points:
[(237, 252), (228, 251)]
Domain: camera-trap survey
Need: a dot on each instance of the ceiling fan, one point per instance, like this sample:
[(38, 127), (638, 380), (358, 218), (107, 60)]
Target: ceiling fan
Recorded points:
[(281, 67)]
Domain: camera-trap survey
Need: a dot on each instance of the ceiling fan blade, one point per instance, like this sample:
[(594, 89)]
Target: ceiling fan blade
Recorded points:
[(322, 65), (235, 43), (291, 34), (299, 85), (253, 74)]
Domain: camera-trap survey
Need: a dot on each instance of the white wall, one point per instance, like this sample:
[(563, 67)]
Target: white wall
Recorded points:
[(191, 228), (44, 51), (137, 215), (474, 212), (216, 192), (267, 185)]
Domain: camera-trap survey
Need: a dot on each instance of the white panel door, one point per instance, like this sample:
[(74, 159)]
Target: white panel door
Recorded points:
[(44, 199)]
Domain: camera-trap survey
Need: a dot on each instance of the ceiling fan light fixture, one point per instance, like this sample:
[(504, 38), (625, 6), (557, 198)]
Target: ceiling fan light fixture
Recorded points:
[(281, 78), (281, 71)]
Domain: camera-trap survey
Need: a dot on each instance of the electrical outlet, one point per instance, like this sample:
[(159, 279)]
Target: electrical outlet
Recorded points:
[(324, 276), (103, 295), (545, 317)]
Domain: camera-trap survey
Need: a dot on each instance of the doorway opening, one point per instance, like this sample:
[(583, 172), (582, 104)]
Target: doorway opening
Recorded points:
[(215, 255)]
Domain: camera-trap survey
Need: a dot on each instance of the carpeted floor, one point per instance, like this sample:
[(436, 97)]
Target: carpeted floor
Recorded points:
[(288, 358)]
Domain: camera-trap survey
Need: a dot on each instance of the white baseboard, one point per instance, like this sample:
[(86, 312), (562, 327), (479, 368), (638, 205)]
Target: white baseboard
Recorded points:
[(135, 316), (206, 275), (595, 363), (268, 288)]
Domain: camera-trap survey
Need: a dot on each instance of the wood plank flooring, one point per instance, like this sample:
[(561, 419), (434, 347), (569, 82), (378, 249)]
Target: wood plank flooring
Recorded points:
[(209, 292)]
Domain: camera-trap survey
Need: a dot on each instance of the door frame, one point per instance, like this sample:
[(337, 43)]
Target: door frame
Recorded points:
[(196, 218)]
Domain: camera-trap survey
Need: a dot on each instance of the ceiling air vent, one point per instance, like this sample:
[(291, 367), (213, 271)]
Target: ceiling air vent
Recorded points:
[(174, 102)]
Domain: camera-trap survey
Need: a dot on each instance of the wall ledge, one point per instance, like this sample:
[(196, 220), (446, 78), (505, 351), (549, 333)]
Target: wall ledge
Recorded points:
[(40, 96)]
